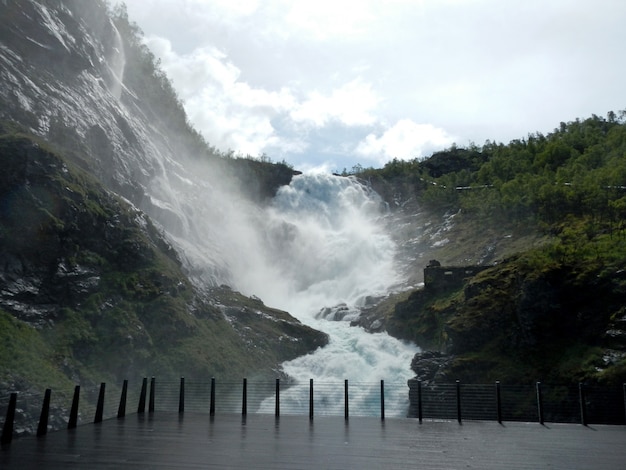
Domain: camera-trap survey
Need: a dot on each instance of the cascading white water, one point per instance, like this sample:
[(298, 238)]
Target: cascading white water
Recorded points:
[(116, 63), (317, 246), (324, 247)]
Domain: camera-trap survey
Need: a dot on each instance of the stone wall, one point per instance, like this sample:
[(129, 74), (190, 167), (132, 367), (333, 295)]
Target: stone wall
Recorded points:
[(437, 277)]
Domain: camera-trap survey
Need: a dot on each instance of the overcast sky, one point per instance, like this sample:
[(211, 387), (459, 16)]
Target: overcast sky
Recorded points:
[(328, 84)]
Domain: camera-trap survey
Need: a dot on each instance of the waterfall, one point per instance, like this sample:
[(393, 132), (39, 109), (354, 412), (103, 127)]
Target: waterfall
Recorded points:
[(325, 246), (317, 251), (116, 62)]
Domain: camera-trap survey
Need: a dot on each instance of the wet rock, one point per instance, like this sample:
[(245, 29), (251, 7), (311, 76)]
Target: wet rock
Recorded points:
[(429, 366)]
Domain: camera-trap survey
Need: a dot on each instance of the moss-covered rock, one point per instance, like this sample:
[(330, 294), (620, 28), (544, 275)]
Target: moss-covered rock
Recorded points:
[(90, 290), (525, 319)]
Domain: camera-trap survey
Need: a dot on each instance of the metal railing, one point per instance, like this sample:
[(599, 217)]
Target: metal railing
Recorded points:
[(539, 402), (585, 404), (282, 397)]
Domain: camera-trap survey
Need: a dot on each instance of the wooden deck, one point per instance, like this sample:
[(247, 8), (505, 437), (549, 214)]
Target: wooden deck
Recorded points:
[(167, 440)]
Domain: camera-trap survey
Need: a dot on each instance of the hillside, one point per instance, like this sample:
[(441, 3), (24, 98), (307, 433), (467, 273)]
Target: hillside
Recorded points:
[(547, 213), (92, 291), (126, 239), (99, 165)]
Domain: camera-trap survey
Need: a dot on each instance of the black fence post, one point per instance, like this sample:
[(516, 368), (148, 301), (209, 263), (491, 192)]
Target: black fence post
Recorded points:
[(346, 413), (419, 401), (141, 408), (121, 409), (73, 422), (310, 398), (498, 402), (583, 404), (152, 395), (100, 406), (212, 399), (7, 429), (42, 429), (244, 398), (181, 396), (624, 389), (539, 403), (277, 409), (382, 399), (458, 401)]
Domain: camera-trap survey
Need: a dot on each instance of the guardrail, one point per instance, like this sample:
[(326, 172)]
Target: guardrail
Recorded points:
[(577, 403), (584, 404)]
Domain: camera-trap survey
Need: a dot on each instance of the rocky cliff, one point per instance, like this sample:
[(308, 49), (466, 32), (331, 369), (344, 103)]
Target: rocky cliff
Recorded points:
[(518, 321), (99, 166)]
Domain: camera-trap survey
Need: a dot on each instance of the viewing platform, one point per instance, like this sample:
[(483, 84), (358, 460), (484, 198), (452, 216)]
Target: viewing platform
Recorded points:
[(457, 427), (194, 440)]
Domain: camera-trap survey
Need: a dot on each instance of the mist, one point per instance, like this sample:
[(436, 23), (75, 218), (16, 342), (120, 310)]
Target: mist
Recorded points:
[(318, 250)]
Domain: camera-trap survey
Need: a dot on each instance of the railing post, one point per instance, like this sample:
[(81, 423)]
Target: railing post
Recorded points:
[(42, 429), (73, 421), (419, 401), (583, 404), (100, 406), (141, 408), (7, 429), (498, 402), (277, 410), (458, 401), (310, 398), (121, 409), (152, 395), (624, 388), (539, 403), (212, 399), (244, 398), (181, 396), (382, 399), (345, 399)]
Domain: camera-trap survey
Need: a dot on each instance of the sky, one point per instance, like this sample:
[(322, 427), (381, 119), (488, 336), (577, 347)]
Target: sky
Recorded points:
[(326, 85)]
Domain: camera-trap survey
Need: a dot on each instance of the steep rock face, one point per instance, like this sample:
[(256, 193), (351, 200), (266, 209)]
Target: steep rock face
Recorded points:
[(96, 284), (74, 77), (59, 229), (90, 283), (59, 85), (515, 323), (532, 309)]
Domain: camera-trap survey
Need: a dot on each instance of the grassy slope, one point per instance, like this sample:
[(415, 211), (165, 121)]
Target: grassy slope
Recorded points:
[(112, 300), (552, 306)]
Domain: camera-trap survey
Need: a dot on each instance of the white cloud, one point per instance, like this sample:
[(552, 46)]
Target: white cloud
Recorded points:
[(232, 114), (311, 81), (352, 104), (229, 112), (324, 19), (405, 140)]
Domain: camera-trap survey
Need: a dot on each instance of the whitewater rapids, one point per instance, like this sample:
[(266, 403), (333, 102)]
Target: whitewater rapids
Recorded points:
[(326, 247)]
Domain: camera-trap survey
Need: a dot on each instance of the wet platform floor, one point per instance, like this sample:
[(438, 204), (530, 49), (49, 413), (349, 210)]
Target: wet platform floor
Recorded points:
[(164, 440)]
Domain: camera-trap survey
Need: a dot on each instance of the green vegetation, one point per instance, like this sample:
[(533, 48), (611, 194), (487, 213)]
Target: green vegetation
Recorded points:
[(546, 311), (91, 290), (97, 294), (27, 359), (578, 170)]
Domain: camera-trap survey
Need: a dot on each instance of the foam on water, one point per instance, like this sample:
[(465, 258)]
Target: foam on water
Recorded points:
[(325, 246)]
